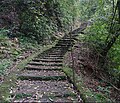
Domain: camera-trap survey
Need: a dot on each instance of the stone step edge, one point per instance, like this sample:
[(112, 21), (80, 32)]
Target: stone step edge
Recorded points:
[(32, 68), (45, 78), (23, 95), (42, 64), (45, 60)]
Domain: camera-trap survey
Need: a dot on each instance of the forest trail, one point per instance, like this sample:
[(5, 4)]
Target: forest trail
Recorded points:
[(43, 80)]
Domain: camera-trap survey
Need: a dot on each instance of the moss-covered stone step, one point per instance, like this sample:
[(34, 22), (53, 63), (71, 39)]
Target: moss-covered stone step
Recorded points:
[(58, 55), (23, 95), (52, 57), (60, 46), (44, 88), (67, 39), (29, 67), (42, 75), (64, 44), (47, 60), (54, 49), (54, 53), (45, 78), (45, 64), (69, 43), (27, 98)]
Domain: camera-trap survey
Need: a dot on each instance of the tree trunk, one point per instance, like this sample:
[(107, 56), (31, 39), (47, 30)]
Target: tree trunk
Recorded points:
[(109, 45)]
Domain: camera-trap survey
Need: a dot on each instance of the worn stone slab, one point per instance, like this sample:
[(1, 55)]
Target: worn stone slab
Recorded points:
[(52, 57), (31, 67), (42, 75), (47, 60), (44, 64), (47, 100), (44, 88)]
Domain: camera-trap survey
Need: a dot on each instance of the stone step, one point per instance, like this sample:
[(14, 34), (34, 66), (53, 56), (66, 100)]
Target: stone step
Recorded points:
[(44, 64), (42, 75), (60, 46), (29, 67), (44, 99), (44, 88), (72, 36), (48, 60), (50, 54), (54, 49), (64, 45), (67, 38), (65, 42), (54, 53), (45, 78), (52, 57)]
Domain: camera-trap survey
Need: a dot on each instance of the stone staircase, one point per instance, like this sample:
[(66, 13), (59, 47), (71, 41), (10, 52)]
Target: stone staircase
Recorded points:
[(43, 80)]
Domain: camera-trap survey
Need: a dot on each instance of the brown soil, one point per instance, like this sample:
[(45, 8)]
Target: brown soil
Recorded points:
[(85, 65)]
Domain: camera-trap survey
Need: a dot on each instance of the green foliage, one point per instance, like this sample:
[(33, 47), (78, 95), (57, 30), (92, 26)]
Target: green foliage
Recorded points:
[(40, 20), (3, 33), (103, 89), (100, 13), (28, 44), (70, 10), (114, 69), (4, 64), (95, 9), (97, 34), (34, 25)]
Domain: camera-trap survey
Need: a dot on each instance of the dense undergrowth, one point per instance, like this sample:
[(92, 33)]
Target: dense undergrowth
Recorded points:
[(10, 49)]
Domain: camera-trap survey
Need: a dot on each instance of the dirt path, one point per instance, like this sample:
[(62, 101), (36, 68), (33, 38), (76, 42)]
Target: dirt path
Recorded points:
[(43, 80)]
